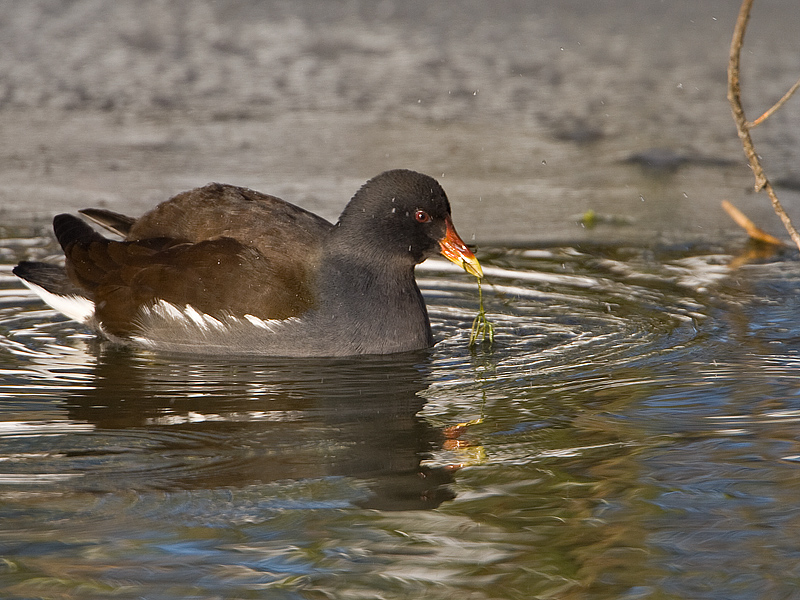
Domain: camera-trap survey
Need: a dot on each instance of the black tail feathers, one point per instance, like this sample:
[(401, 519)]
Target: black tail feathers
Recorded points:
[(52, 278), (70, 229)]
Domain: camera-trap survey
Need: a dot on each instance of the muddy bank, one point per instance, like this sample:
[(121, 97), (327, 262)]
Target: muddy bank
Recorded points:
[(529, 114)]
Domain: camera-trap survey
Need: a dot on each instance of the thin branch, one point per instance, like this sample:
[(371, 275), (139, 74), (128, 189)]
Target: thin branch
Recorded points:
[(752, 230), (735, 93), (775, 107), (742, 125)]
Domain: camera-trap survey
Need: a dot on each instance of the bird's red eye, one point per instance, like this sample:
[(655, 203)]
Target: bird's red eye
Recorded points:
[(421, 216)]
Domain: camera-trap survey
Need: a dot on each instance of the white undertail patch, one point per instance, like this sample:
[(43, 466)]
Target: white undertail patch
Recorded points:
[(77, 308)]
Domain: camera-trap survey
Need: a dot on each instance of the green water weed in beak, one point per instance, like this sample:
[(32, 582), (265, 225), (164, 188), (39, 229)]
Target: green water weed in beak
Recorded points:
[(482, 328)]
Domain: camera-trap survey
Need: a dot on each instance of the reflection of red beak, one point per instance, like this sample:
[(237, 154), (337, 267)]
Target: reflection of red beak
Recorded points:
[(453, 248)]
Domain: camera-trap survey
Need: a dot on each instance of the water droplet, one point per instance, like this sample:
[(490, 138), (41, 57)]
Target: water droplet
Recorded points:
[(544, 162)]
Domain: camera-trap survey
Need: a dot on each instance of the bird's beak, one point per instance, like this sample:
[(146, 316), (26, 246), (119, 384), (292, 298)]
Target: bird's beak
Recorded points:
[(454, 249)]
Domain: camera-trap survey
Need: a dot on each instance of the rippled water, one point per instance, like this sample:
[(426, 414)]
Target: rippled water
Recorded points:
[(632, 434)]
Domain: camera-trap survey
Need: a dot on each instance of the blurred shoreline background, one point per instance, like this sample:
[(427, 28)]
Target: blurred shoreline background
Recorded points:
[(529, 113)]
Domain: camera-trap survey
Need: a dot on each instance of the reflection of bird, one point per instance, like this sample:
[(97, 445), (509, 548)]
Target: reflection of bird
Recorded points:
[(349, 427), (229, 270)]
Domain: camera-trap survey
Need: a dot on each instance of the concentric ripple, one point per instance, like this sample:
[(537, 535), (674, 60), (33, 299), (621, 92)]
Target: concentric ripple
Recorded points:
[(571, 318), (157, 422), (629, 391)]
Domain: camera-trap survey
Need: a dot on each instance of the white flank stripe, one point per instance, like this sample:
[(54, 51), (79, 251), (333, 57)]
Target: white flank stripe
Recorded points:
[(169, 310), (213, 322), (256, 321), (195, 316)]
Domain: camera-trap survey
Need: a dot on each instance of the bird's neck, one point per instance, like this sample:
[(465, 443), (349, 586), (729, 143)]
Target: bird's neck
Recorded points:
[(374, 303)]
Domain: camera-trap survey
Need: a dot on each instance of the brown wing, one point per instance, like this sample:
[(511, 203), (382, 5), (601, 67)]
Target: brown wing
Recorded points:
[(266, 223), (214, 276)]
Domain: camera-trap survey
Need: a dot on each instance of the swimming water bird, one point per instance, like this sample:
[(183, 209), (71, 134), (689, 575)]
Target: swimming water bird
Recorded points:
[(228, 270)]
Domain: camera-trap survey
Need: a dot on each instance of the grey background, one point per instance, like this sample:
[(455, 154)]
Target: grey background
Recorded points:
[(525, 111)]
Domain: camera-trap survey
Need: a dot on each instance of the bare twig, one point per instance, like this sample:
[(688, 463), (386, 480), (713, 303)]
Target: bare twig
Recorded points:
[(775, 106), (743, 126), (752, 230)]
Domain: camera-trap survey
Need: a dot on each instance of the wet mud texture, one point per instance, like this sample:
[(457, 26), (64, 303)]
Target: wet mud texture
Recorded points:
[(529, 113)]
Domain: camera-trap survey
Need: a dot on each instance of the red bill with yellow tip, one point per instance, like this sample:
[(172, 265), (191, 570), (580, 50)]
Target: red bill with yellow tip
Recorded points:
[(454, 249)]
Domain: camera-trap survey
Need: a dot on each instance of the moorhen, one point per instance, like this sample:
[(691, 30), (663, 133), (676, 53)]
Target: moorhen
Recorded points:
[(227, 270)]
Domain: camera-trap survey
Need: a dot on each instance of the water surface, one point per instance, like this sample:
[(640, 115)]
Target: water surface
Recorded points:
[(633, 433)]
